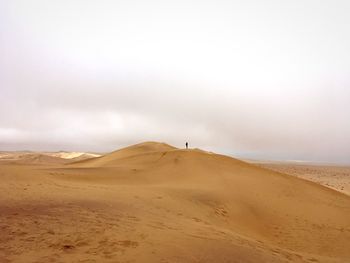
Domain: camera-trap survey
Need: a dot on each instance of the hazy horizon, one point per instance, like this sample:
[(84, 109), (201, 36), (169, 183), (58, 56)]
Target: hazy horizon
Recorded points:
[(263, 80)]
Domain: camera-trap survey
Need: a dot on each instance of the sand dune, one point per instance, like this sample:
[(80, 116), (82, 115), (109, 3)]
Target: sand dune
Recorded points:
[(335, 177), (73, 155), (152, 202), (32, 159), (114, 158), (44, 158)]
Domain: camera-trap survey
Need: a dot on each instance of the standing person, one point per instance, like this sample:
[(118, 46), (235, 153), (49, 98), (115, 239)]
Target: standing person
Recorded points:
[(186, 145)]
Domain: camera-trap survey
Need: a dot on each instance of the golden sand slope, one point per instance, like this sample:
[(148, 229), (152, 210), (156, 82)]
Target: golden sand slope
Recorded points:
[(154, 203), (335, 177)]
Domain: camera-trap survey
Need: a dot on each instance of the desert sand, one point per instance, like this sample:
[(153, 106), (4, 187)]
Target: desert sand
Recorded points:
[(44, 158), (333, 176), (152, 202)]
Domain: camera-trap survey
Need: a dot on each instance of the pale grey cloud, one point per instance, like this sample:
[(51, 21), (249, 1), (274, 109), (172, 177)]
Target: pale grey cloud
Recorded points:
[(260, 79)]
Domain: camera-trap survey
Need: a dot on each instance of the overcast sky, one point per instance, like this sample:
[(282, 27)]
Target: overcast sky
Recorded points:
[(259, 79)]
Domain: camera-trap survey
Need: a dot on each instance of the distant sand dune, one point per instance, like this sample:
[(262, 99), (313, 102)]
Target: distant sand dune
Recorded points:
[(152, 202), (43, 158), (33, 159)]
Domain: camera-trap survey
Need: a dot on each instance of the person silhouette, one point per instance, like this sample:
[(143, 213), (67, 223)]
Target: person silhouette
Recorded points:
[(186, 145)]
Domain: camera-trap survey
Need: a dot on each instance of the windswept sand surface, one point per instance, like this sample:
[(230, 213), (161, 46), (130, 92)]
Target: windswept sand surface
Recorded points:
[(154, 203), (335, 177)]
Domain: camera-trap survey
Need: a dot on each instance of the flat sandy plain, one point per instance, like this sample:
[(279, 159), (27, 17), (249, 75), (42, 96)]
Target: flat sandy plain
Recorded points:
[(152, 202)]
